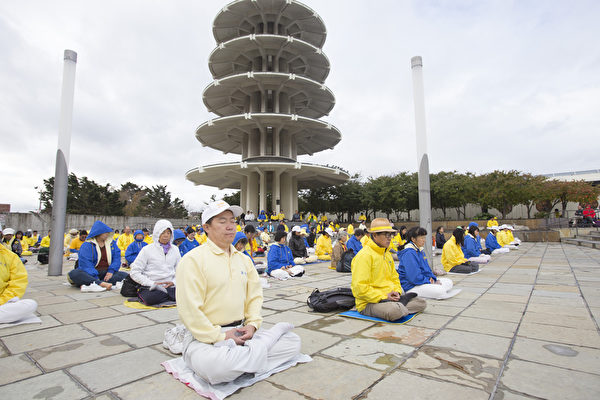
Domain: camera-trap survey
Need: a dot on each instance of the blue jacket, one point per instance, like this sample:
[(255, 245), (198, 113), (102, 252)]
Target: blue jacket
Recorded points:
[(354, 244), (187, 245), (88, 255), (491, 243), (413, 268), (178, 234), (280, 255), (134, 248), (470, 249)]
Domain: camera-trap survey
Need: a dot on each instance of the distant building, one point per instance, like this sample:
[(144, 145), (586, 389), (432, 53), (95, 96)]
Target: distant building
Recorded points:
[(269, 94), (592, 176), (4, 208)]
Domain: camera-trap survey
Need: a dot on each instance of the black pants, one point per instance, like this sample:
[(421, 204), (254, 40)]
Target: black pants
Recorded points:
[(465, 268), (151, 297)]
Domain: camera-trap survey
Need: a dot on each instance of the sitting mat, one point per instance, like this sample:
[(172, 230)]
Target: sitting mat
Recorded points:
[(470, 273), (141, 306), (357, 315)]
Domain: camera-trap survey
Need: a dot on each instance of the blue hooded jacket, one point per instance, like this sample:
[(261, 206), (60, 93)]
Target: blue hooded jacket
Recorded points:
[(280, 255), (354, 244), (413, 268), (237, 238), (134, 248), (470, 249), (178, 234), (88, 255), (491, 243), (188, 245)]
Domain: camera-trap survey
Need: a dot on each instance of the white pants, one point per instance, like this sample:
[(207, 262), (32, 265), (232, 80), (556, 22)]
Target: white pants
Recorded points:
[(304, 260), (433, 290), (283, 275), (15, 310), (482, 259), (310, 251), (501, 250), (511, 246), (224, 364), (299, 260)]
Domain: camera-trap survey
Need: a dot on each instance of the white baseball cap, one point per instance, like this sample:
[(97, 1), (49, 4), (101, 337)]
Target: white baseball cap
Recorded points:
[(329, 231), (217, 207), (8, 231), (494, 228), (296, 228)]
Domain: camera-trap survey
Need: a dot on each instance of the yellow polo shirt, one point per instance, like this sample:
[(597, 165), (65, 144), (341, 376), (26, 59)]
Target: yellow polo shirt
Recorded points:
[(215, 288)]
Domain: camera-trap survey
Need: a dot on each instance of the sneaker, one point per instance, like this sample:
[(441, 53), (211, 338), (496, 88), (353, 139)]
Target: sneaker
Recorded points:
[(176, 339), (92, 287), (117, 286)]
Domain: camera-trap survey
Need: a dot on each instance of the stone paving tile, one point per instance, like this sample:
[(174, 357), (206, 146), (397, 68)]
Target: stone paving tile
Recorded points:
[(295, 317), (156, 387), (339, 325), (55, 385), (126, 310), (504, 298), (314, 341), (487, 326), (550, 382), (162, 315), (78, 352), (47, 322), (439, 308), (108, 301), (454, 366), (350, 380), (116, 324), (44, 338), (372, 353), (143, 337), (20, 367), (507, 395), (89, 296), (281, 304), (427, 389), (65, 307), (48, 300), (132, 365), (559, 355), (85, 315), (560, 334), (561, 320), (496, 313), (472, 343), (265, 390), (403, 334), (430, 321)]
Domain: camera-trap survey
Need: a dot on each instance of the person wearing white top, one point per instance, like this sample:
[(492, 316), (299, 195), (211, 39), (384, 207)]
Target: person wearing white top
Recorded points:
[(154, 267)]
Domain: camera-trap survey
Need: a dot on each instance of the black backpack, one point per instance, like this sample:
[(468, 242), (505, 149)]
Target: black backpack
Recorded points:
[(331, 300), (130, 287), (345, 263)]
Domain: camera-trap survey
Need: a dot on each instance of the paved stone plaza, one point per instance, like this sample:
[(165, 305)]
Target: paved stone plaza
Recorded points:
[(525, 327)]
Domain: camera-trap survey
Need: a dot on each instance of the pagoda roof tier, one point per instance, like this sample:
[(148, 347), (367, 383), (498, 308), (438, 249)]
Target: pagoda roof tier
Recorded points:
[(237, 55), (227, 133), (230, 95), (245, 17), (229, 175)]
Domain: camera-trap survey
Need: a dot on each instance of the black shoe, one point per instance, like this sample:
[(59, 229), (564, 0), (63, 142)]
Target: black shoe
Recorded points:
[(405, 298)]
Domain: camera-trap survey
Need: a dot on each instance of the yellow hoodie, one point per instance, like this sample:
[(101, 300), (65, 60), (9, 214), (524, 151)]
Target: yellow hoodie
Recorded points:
[(503, 238), (13, 276), (124, 241), (452, 254), (374, 275), (350, 229), (45, 241), (323, 246)]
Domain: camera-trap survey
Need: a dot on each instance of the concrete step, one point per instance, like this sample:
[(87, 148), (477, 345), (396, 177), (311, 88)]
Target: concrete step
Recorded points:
[(581, 242), (588, 237)]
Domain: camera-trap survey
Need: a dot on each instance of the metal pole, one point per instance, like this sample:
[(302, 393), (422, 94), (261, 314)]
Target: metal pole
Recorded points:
[(59, 198), (422, 157)]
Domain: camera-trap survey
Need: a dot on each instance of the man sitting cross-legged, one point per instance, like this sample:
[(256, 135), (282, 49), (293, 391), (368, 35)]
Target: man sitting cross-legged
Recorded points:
[(375, 282), (219, 298)]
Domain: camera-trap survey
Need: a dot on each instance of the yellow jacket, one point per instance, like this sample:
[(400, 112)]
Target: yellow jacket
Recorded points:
[(115, 236), (238, 228), (31, 241), (75, 245), (147, 239), (215, 288), (492, 222), (364, 239), (201, 238), (13, 276), (362, 217), (350, 229), (45, 241), (68, 240), (323, 245), (452, 254), (373, 275), (124, 241), (509, 236), (503, 238)]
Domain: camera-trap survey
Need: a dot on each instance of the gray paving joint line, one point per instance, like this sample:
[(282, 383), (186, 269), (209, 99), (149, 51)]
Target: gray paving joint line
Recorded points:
[(437, 332), (514, 338), (580, 291)]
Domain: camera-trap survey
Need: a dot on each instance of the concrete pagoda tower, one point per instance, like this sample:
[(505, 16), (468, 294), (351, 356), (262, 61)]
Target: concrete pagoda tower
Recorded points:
[(269, 94)]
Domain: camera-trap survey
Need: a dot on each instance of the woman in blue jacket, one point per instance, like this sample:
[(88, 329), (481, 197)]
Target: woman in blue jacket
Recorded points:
[(280, 259), (414, 271), (471, 249), (491, 243), (99, 261), (134, 248)]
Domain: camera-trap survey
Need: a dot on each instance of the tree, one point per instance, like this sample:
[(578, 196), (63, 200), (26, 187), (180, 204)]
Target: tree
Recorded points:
[(157, 203), (555, 191), (502, 190), (447, 190)]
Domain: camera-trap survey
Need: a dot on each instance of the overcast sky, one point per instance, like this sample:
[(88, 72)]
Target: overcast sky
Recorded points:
[(508, 85)]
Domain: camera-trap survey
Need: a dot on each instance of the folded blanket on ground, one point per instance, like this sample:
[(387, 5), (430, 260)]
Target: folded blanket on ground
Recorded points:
[(183, 373), (357, 315), (141, 306)]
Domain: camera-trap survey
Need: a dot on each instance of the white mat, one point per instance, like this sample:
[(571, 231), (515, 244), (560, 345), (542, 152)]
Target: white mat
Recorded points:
[(183, 373), (470, 273), (33, 319), (451, 293)]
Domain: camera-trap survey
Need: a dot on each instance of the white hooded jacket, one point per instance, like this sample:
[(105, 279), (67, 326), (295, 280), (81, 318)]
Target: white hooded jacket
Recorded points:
[(152, 264)]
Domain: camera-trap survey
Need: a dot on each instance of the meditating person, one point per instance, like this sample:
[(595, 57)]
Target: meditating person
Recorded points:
[(509, 235), (178, 238), (504, 238), (491, 243), (45, 242), (190, 242), (147, 237), (453, 258), (471, 248), (154, 267), (324, 247), (76, 245), (240, 242), (350, 230), (135, 247), (219, 299), (24, 244), (440, 239), (298, 247), (403, 238), (492, 222), (124, 240), (312, 235), (338, 249), (252, 245), (354, 243), (98, 262), (69, 236), (375, 282), (414, 271), (280, 261), (13, 283)]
